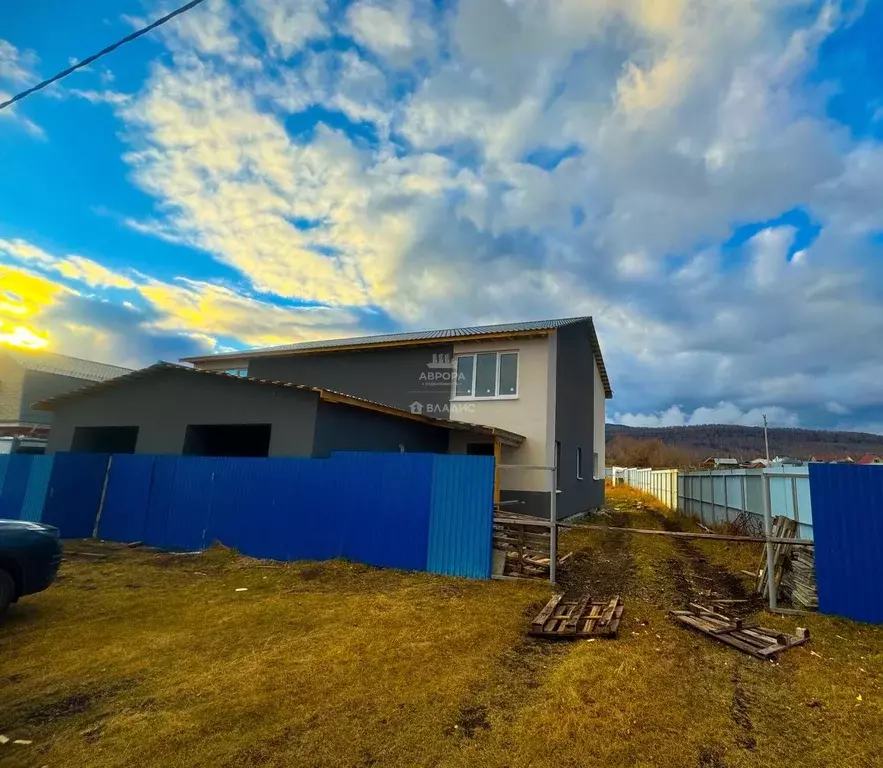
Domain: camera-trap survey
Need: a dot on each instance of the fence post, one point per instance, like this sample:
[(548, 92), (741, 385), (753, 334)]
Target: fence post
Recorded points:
[(103, 494), (768, 533), (553, 527)]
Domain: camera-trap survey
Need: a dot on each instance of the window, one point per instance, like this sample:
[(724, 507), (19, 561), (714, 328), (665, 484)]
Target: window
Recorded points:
[(579, 463), (242, 372), (487, 375), (595, 467)]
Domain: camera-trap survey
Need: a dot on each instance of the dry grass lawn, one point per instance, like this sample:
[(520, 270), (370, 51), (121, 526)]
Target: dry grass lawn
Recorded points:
[(149, 659)]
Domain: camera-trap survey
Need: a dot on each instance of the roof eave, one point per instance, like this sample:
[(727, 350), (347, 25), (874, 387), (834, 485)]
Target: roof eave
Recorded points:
[(372, 345)]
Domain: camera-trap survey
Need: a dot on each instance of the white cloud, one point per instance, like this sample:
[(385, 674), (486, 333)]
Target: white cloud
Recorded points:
[(722, 413), (17, 67), (12, 115), (679, 119), (92, 273), (289, 24), (393, 30)]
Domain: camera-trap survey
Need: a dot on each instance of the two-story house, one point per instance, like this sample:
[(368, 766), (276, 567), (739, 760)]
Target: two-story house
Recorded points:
[(544, 380), (530, 394)]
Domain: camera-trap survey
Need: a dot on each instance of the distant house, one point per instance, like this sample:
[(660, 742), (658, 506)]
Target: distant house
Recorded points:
[(27, 376), (869, 458), (714, 462), (831, 458), (756, 464)]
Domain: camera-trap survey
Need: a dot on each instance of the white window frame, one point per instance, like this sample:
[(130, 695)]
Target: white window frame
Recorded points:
[(579, 463), (474, 356)]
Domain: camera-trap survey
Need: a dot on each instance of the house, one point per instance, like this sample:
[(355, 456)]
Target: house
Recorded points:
[(27, 376), (869, 459), (176, 409), (720, 462), (545, 380), (830, 458), (531, 394)]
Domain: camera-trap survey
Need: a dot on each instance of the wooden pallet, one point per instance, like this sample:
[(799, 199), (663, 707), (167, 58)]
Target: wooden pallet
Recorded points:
[(571, 619), (760, 642)]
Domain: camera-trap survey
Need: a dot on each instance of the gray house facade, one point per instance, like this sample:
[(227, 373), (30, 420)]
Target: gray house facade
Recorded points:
[(28, 376), (173, 409), (545, 381)]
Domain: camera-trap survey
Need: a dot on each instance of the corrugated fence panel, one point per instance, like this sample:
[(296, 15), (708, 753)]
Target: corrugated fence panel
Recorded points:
[(15, 485), (4, 465), (74, 493), (375, 508), (38, 486), (847, 503), (124, 514), (159, 502), (389, 517), (190, 503), (461, 517)]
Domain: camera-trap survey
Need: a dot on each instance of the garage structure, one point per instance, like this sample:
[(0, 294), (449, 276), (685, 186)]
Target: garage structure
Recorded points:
[(175, 409)]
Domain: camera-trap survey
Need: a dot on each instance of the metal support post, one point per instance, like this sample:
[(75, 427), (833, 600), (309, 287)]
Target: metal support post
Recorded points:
[(768, 534)]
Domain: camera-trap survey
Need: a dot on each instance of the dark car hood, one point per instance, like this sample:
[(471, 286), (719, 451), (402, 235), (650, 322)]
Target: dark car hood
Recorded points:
[(24, 525)]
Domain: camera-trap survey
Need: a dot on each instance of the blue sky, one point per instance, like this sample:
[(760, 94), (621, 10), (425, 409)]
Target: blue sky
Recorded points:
[(704, 181)]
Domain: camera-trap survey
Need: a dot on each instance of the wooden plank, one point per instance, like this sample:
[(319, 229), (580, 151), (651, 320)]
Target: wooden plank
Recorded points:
[(607, 615), (547, 611), (578, 612), (688, 534)]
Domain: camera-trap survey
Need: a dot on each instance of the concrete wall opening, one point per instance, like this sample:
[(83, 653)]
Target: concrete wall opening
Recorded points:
[(104, 439), (480, 449), (244, 440)]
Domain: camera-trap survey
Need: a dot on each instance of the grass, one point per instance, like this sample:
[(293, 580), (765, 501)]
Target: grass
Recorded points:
[(152, 659)]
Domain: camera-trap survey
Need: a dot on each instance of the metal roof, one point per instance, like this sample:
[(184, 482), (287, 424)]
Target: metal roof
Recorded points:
[(62, 365), (510, 438), (399, 339)]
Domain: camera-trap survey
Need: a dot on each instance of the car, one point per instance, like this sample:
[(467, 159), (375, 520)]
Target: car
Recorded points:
[(30, 554)]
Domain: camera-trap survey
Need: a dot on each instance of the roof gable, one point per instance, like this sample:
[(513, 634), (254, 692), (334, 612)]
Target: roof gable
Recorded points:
[(476, 333)]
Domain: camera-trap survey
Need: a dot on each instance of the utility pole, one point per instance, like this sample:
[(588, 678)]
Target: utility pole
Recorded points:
[(766, 440)]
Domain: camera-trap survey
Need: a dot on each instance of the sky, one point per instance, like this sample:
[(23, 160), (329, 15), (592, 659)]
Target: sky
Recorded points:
[(705, 179)]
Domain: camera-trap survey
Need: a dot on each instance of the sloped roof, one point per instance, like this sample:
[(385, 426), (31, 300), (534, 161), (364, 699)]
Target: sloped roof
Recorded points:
[(330, 395), (403, 339), (63, 365)]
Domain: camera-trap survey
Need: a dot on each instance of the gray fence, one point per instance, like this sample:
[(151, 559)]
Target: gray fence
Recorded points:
[(720, 496)]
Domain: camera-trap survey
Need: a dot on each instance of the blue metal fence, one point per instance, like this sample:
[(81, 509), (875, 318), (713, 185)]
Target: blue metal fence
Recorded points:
[(74, 493), (412, 511), (847, 503)]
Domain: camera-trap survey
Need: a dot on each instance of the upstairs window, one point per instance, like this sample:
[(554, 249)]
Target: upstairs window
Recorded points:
[(486, 375), (242, 372)]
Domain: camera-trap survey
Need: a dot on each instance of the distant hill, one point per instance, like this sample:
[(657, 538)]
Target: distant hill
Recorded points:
[(747, 442)]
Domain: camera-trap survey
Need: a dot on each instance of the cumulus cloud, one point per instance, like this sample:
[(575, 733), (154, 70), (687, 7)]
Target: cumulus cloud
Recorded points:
[(722, 413), (508, 160)]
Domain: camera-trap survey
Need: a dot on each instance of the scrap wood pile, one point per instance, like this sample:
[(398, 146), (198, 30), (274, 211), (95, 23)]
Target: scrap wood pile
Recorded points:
[(799, 579), (795, 575), (524, 546), (563, 619), (748, 637)]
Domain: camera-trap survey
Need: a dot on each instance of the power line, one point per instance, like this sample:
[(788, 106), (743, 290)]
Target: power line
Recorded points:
[(110, 49)]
